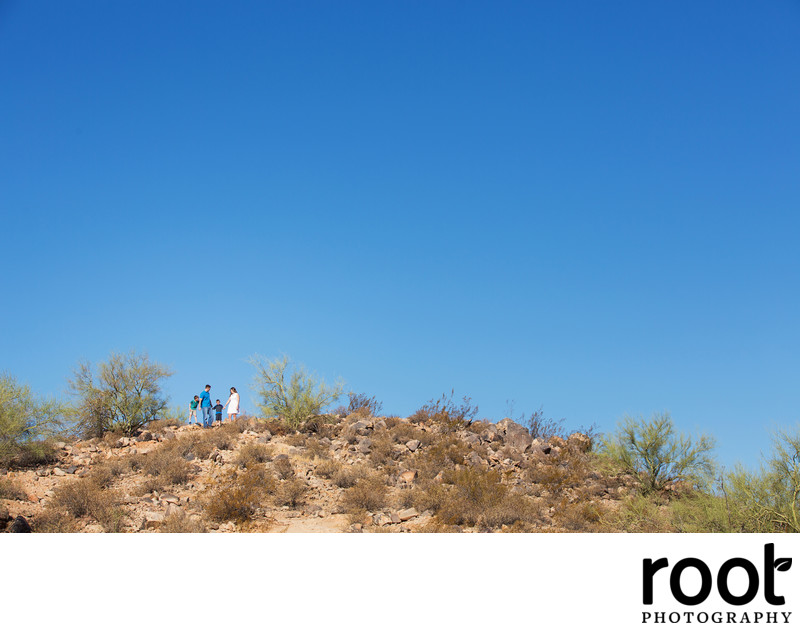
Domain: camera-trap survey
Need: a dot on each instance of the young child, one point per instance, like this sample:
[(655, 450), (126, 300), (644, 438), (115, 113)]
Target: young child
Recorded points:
[(193, 410), (218, 409)]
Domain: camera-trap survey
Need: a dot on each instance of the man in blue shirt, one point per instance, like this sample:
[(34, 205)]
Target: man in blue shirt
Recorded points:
[(205, 405)]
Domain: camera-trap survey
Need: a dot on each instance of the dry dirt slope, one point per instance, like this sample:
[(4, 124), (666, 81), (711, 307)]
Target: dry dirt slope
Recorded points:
[(360, 473)]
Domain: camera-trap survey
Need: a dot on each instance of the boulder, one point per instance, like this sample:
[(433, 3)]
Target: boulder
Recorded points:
[(20, 524), (407, 477), (580, 441), (413, 445), (364, 446)]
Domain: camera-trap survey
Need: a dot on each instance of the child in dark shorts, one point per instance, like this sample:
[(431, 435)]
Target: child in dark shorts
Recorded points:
[(218, 409)]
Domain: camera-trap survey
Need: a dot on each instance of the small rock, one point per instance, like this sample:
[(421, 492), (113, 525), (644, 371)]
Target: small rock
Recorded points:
[(381, 520), (356, 528), (153, 518), (408, 513), (169, 435), (365, 446), (145, 436), (59, 472), (412, 445), (5, 517), (95, 528), (395, 518), (71, 469), (190, 456), (33, 498), (408, 476)]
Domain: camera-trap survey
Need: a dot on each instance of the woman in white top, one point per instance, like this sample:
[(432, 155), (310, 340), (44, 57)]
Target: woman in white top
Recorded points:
[(233, 404)]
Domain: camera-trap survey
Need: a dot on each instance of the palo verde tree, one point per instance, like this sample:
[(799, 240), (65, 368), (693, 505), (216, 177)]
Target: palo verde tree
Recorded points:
[(656, 454), (26, 422), (291, 392), (124, 393), (769, 500)]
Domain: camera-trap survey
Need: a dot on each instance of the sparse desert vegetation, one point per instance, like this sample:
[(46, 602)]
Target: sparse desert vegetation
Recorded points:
[(440, 470)]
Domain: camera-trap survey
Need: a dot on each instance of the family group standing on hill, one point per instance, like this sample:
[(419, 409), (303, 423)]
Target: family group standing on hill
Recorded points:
[(203, 401)]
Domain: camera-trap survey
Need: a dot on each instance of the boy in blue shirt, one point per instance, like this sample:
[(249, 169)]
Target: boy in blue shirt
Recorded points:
[(218, 409)]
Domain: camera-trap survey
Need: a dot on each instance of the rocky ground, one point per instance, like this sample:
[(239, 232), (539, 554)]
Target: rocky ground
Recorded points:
[(358, 473)]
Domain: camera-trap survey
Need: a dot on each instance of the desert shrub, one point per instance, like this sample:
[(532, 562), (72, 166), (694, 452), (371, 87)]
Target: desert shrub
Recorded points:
[(769, 500), (702, 512), (328, 469), (167, 465), (183, 522), (84, 497), (253, 453), (403, 432), (55, 521), (318, 449), (657, 455), (382, 448), (291, 393), (346, 477), (446, 413), (363, 404), (441, 455), (26, 424), (274, 426), (103, 476), (542, 427), (283, 468), (11, 490), (366, 494), (583, 515), (296, 440), (291, 492), (393, 421), (198, 443), (638, 513), (476, 497), (238, 498), (565, 469), (124, 394)]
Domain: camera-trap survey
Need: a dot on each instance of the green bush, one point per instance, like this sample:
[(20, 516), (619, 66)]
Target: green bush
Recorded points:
[(27, 423), (769, 500), (124, 395), (291, 393), (657, 455)]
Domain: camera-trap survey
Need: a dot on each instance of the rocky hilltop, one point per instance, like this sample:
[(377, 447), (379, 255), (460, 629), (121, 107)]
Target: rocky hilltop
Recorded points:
[(359, 473)]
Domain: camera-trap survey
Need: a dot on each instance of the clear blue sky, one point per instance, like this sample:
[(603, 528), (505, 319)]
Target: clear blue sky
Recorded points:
[(590, 207)]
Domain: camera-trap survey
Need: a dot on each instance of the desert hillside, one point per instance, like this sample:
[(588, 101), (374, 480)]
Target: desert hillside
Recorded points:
[(360, 473)]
